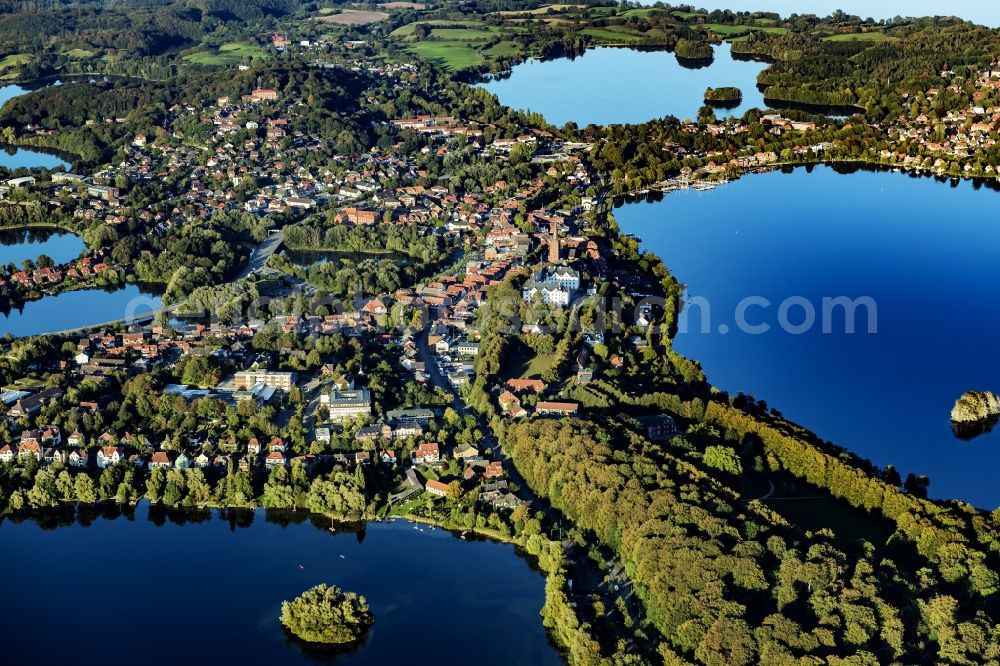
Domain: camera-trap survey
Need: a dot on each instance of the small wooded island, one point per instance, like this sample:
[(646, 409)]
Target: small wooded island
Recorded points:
[(723, 96), (327, 615), (975, 413), (975, 406), (693, 50)]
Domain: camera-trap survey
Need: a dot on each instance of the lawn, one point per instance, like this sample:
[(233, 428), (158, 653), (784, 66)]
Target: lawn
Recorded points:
[(16, 60), (503, 49), (850, 525), (814, 509), (80, 53), (522, 363), (609, 36), (231, 53), (687, 16), (461, 34), (860, 37)]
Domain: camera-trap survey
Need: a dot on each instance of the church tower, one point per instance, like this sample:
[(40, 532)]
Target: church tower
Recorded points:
[(554, 242)]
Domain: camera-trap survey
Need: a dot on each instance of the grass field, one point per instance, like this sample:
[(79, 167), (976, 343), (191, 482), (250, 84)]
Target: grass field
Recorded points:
[(609, 36), (461, 34), (457, 44), (642, 12), (860, 37), (727, 30), (814, 509), (80, 53), (521, 362), (404, 5), (503, 49), (439, 24), (450, 55), (544, 9), (232, 53), (687, 16), (738, 30), (15, 60)]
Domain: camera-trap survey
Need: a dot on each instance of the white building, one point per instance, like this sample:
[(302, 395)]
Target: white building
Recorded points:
[(556, 284), (247, 379), (345, 404)]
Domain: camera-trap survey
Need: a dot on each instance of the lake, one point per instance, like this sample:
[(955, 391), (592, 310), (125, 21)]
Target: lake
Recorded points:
[(15, 158), (923, 251), (73, 309), (147, 589), (16, 245), (984, 13), (620, 85)]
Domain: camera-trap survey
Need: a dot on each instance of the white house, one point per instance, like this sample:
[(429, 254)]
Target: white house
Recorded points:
[(109, 455)]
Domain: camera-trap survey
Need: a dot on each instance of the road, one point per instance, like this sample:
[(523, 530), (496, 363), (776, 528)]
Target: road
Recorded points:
[(261, 253), (311, 392), (258, 260)]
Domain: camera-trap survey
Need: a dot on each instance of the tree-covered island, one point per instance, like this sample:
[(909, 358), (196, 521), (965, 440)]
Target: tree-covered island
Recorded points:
[(327, 615), (727, 95)]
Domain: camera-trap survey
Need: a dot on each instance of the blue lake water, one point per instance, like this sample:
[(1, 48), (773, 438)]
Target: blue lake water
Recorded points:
[(210, 592), (619, 85), (984, 13), (924, 251), (19, 244), (73, 309), (14, 158)]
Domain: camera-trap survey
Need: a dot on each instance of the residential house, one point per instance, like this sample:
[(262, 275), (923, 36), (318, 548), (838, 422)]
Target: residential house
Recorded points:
[(557, 408), (436, 488), (426, 454), (109, 455)]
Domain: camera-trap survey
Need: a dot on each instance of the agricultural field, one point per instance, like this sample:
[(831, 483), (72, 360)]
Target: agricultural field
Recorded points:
[(353, 17), (642, 12), (687, 16), (232, 53), (436, 24), (503, 50), (544, 9), (450, 55), (404, 5), (613, 35), (860, 37), (724, 30), (460, 43)]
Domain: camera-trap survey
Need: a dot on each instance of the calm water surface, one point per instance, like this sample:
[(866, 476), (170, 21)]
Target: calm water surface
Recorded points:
[(73, 309), (19, 244), (978, 11), (14, 158), (619, 85), (924, 251), (210, 592)]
